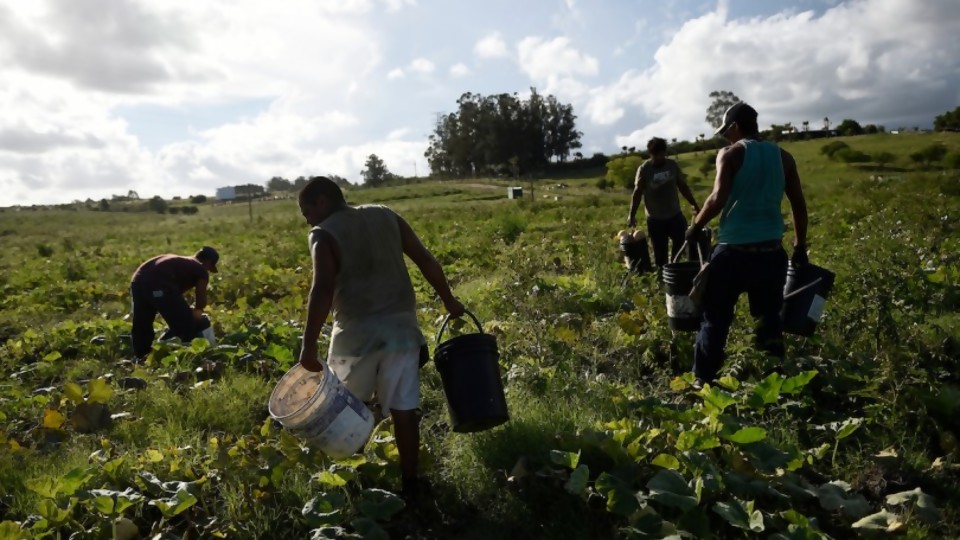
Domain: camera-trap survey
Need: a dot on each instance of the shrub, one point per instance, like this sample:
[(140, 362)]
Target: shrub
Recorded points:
[(849, 155), (45, 250), (198, 199), (952, 161), (833, 147)]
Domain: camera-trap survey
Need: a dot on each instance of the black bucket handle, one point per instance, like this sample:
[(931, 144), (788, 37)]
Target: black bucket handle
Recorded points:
[(447, 319), (684, 246)]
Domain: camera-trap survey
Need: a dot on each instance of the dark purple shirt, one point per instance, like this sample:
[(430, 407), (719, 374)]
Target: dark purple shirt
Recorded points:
[(175, 271)]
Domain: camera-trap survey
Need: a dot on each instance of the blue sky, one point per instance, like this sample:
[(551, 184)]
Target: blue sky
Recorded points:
[(179, 97)]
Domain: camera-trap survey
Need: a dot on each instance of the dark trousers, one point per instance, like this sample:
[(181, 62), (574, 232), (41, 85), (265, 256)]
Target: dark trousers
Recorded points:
[(662, 230), (169, 303), (759, 274)]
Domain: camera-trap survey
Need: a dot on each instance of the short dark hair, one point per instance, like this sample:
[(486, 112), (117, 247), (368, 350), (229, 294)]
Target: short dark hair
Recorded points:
[(657, 145), (321, 186)]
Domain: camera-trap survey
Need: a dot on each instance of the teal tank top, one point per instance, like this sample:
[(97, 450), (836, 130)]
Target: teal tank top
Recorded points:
[(752, 212)]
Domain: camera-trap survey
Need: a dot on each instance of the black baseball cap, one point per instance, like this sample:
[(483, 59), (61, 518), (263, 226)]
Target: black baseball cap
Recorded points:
[(210, 255), (737, 112)]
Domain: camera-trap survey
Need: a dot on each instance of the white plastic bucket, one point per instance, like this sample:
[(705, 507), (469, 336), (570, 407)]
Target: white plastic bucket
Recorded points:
[(319, 408)]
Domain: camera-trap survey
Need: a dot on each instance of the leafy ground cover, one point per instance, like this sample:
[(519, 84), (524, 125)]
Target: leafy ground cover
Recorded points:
[(855, 435)]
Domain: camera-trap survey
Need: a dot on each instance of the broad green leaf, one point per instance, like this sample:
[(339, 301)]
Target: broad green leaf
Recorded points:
[(678, 384), (669, 488), (766, 457), (10, 530), (109, 502), (577, 483), (336, 476), (331, 533), (153, 456), (881, 521), (834, 496), (44, 486), (766, 391), (324, 509), (666, 461), (100, 391), (175, 505), (278, 353), (74, 392), (795, 384), (740, 517), (926, 507), (746, 435), (729, 383), (53, 419), (697, 439), (848, 427), (379, 504), (75, 479), (621, 500), (198, 345), (51, 511), (647, 527), (716, 400), (369, 529), (565, 459), (52, 356)]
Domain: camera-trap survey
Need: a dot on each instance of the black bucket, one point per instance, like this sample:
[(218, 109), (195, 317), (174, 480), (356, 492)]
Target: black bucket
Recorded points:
[(678, 280), (636, 255), (469, 367), (804, 296)]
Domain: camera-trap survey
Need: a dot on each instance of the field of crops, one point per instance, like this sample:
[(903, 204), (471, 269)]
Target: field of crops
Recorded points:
[(854, 435)]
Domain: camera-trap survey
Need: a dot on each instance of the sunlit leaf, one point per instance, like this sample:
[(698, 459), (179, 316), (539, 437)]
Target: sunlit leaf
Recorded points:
[(51, 511), (53, 419), (678, 384), (175, 505), (153, 455), (848, 426), (52, 356), (100, 391), (324, 509), (716, 400), (697, 439), (666, 461), (73, 391), (669, 488), (766, 391), (621, 499), (75, 479), (925, 505), (881, 521), (746, 435), (279, 353), (793, 385), (577, 483), (729, 383), (565, 459)]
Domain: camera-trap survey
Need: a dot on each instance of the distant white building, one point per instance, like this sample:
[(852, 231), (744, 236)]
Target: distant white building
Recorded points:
[(228, 193)]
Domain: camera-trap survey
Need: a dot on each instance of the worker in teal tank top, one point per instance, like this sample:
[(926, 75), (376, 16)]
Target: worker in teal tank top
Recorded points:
[(752, 178)]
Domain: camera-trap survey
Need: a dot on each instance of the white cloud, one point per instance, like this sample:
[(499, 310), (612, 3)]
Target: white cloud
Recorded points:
[(397, 5), (459, 70), (542, 59), (491, 46), (422, 65), (793, 67), (396, 73)]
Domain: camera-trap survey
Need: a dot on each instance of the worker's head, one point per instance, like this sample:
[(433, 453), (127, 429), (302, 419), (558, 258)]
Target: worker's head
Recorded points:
[(320, 198), (208, 257), (658, 149), (739, 122)]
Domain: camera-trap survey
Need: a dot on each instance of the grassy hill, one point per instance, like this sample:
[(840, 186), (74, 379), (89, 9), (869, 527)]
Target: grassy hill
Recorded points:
[(607, 439)]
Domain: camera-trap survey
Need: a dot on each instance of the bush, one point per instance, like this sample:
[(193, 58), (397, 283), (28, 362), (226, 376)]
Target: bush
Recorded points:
[(158, 205), (623, 170), (189, 210), (198, 199), (45, 250), (849, 155), (952, 161), (832, 148), (884, 158)]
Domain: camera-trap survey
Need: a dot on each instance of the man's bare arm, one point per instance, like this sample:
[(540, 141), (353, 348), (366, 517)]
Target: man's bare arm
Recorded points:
[(798, 203), (429, 267)]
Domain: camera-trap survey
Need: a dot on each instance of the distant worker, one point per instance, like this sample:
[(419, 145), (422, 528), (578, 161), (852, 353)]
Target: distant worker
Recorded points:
[(158, 286), (752, 178), (657, 182), (360, 275)]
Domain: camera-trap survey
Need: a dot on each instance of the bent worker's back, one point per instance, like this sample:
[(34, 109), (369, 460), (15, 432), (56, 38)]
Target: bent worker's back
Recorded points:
[(374, 305)]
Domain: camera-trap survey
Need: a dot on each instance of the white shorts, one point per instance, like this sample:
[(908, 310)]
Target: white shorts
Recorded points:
[(392, 376)]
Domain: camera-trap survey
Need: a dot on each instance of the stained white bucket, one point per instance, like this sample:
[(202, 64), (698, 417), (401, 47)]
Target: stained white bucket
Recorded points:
[(319, 408)]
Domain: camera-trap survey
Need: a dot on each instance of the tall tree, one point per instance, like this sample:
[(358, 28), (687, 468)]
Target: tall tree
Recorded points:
[(278, 183), (722, 100), (375, 171), (849, 127), (949, 120)]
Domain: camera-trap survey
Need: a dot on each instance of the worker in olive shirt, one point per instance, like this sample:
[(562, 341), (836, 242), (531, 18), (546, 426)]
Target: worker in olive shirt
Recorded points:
[(359, 274), (752, 178), (657, 182), (158, 286)]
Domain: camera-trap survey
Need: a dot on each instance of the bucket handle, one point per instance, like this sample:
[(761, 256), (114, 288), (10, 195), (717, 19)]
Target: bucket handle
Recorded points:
[(447, 319), (683, 247), (805, 287)]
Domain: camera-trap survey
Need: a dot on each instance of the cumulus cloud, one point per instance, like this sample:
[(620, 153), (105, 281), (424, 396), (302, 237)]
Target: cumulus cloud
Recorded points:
[(396, 73), (422, 65), (491, 46), (459, 70), (845, 63)]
